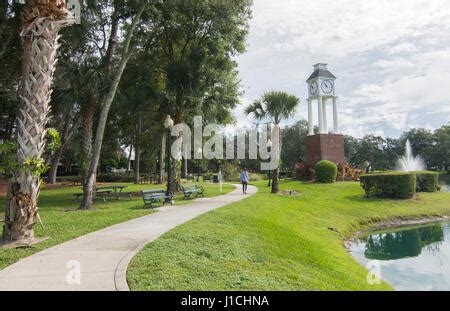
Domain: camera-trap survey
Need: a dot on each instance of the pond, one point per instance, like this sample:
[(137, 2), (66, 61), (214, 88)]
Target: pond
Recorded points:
[(410, 258)]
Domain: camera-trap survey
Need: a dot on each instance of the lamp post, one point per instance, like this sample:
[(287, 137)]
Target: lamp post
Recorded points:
[(168, 124), (269, 148)]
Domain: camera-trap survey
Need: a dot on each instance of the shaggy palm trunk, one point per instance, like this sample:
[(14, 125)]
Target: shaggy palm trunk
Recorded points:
[(137, 162), (87, 146), (41, 22), (87, 133)]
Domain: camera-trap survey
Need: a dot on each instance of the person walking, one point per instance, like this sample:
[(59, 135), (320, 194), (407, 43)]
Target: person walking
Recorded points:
[(244, 180)]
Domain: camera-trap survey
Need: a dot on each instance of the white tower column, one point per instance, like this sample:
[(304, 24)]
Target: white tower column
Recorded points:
[(320, 106), (325, 120), (310, 118), (335, 116)]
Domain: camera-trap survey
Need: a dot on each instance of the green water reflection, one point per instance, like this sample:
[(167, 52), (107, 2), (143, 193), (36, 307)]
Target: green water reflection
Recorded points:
[(396, 245), (411, 258)]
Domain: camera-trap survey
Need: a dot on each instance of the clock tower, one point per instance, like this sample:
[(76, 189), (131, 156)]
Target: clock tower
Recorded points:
[(328, 144)]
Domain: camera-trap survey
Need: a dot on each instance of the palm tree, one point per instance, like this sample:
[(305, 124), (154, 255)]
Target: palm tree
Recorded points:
[(41, 22), (275, 107)]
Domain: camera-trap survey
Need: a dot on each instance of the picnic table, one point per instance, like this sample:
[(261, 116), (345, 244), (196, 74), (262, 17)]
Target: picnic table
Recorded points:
[(107, 192)]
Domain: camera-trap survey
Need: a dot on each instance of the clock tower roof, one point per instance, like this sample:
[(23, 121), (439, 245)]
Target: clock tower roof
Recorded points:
[(321, 70)]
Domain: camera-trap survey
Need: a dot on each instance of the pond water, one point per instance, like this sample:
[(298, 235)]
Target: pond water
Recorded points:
[(410, 258)]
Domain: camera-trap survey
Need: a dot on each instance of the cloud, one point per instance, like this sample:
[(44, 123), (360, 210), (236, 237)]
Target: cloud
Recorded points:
[(392, 58)]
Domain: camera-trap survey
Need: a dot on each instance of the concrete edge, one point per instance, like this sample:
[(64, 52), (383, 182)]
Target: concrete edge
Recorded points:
[(120, 274)]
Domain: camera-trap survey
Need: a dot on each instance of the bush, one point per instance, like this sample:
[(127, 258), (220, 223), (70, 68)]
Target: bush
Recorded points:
[(229, 171), (427, 181), (326, 171), (390, 185), (112, 177)]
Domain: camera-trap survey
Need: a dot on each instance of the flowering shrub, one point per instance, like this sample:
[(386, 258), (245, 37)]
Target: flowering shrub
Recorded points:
[(351, 174), (300, 171)]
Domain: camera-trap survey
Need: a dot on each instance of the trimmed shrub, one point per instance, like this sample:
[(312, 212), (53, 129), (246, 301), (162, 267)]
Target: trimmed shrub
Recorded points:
[(326, 171), (115, 177), (390, 185), (427, 181)]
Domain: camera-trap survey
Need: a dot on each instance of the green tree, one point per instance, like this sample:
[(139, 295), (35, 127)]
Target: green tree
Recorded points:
[(440, 150), (293, 148), (198, 41), (421, 143)]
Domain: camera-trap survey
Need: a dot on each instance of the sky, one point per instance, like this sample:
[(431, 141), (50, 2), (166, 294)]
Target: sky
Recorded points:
[(391, 58)]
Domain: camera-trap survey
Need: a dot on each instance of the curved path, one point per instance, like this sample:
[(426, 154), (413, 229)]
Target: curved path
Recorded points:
[(99, 260)]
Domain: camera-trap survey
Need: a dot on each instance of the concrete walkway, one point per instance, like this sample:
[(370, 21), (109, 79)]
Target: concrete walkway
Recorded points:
[(98, 261)]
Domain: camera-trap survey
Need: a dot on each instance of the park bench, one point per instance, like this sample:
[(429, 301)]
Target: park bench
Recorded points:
[(189, 191), (151, 197)]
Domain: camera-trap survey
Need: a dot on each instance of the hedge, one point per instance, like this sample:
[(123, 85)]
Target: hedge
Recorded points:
[(115, 177), (427, 181), (326, 171), (390, 185)]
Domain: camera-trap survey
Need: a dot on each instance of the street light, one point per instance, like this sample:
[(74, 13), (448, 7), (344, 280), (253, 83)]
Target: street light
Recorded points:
[(168, 124), (269, 147)]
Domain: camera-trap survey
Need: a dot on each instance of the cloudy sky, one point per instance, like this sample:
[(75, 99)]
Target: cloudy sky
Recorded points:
[(392, 59)]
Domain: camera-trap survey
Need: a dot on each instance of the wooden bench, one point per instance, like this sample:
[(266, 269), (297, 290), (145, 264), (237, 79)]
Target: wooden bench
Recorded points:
[(189, 191), (151, 197)]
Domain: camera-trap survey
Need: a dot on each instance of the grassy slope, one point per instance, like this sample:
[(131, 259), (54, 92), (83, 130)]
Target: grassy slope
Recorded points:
[(62, 225), (273, 243)]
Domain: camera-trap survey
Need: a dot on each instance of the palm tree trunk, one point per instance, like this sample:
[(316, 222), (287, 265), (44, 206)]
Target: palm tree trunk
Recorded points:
[(137, 160), (87, 133), (41, 22), (276, 180)]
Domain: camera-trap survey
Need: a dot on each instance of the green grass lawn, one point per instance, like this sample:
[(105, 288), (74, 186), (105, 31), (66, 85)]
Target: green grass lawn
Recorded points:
[(63, 222), (272, 242)]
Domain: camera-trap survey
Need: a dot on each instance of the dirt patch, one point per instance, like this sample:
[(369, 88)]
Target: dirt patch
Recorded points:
[(291, 193)]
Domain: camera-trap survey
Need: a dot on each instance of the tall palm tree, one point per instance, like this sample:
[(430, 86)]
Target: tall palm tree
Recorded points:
[(275, 107), (41, 22)]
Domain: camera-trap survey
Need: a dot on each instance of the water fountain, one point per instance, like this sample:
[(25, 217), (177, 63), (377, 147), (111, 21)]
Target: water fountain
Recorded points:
[(409, 163)]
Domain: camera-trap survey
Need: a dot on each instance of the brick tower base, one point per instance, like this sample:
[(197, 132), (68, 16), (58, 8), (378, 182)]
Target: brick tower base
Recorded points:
[(324, 147)]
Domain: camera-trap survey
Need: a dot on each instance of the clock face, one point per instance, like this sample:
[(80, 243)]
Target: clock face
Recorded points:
[(313, 88), (327, 86)]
